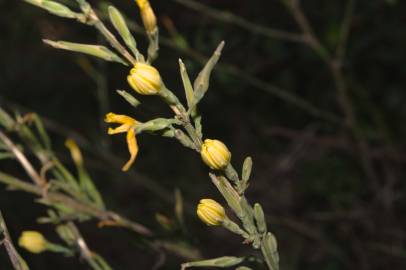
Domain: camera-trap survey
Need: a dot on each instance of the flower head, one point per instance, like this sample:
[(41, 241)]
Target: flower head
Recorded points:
[(210, 212), (33, 241), (127, 124), (145, 79), (215, 154), (147, 15)]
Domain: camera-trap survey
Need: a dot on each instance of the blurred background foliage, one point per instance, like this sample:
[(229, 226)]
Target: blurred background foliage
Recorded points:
[(333, 191)]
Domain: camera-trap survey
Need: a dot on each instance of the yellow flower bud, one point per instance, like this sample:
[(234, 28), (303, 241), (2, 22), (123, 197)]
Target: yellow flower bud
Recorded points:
[(33, 241), (215, 154), (211, 212), (148, 18), (145, 79)]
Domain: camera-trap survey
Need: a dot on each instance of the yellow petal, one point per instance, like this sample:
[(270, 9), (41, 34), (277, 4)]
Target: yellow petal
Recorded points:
[(119, 119), (141, 3), (120, 129), (132, 148)]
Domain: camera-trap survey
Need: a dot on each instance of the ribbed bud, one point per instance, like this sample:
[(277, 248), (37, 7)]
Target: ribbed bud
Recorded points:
[(145, 79), (210, 212), (33, 241), (215, 154)]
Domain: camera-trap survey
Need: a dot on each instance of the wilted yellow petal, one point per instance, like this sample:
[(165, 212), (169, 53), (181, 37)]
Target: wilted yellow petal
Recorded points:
[(74, 152), (132, 148)]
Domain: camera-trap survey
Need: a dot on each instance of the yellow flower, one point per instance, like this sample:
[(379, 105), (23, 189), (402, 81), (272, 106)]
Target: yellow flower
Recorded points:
[(215, 154), (147, 15), (33, 241), (127, 124), (145, 79), (211, 212)]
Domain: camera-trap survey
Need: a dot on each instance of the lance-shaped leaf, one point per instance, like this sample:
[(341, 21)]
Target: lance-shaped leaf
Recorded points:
[(202, 81), (119, 23), (246, 173), (189, 92), (6, 120), (94, 50), (229, 193), (246, 169), (248, 219), (260, 218), (55, 8), (243, 268), (153, 46), (129, 98), (187, 85), (222, 262), (156, 125), (42, 133), (269, 249)]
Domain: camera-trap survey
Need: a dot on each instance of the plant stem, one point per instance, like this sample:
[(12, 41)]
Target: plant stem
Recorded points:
[(17, 261), (93, 19)]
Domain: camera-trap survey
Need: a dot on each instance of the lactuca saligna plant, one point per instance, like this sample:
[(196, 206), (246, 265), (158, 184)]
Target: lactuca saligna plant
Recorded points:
[(185, 126)]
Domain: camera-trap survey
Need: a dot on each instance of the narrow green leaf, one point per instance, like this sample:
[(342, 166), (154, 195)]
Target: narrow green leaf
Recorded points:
[(222, 262), (129, 98), (88, 187), (153, 46), (6, 120), (156, 125), (94, 50), (246, 169), (201, 84), (42, 131), (187, 85), (269, 249), (62, 174), (260, 218), (58, 9), (228, 192), (6, 155), (118, 21)]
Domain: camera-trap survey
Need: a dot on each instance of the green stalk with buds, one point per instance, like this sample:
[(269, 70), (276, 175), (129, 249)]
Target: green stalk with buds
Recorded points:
[(185, 126)]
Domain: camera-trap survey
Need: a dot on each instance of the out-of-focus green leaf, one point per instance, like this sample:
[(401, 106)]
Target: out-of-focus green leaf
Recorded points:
[(94, 50)]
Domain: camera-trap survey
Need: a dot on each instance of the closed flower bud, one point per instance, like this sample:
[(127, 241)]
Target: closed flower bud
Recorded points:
[(211, 212), (148, 18), (145, 79), (33, 241), (215, 154)]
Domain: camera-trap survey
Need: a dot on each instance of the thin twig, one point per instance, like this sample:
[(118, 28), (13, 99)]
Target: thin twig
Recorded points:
[(93, 20), (55, 197), (343, 97), (23, 161), (345, 29), (231, 18), (250, 79), (15, 258)]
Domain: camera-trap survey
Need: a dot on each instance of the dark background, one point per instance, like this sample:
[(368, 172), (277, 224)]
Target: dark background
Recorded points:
[(334, 193)]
